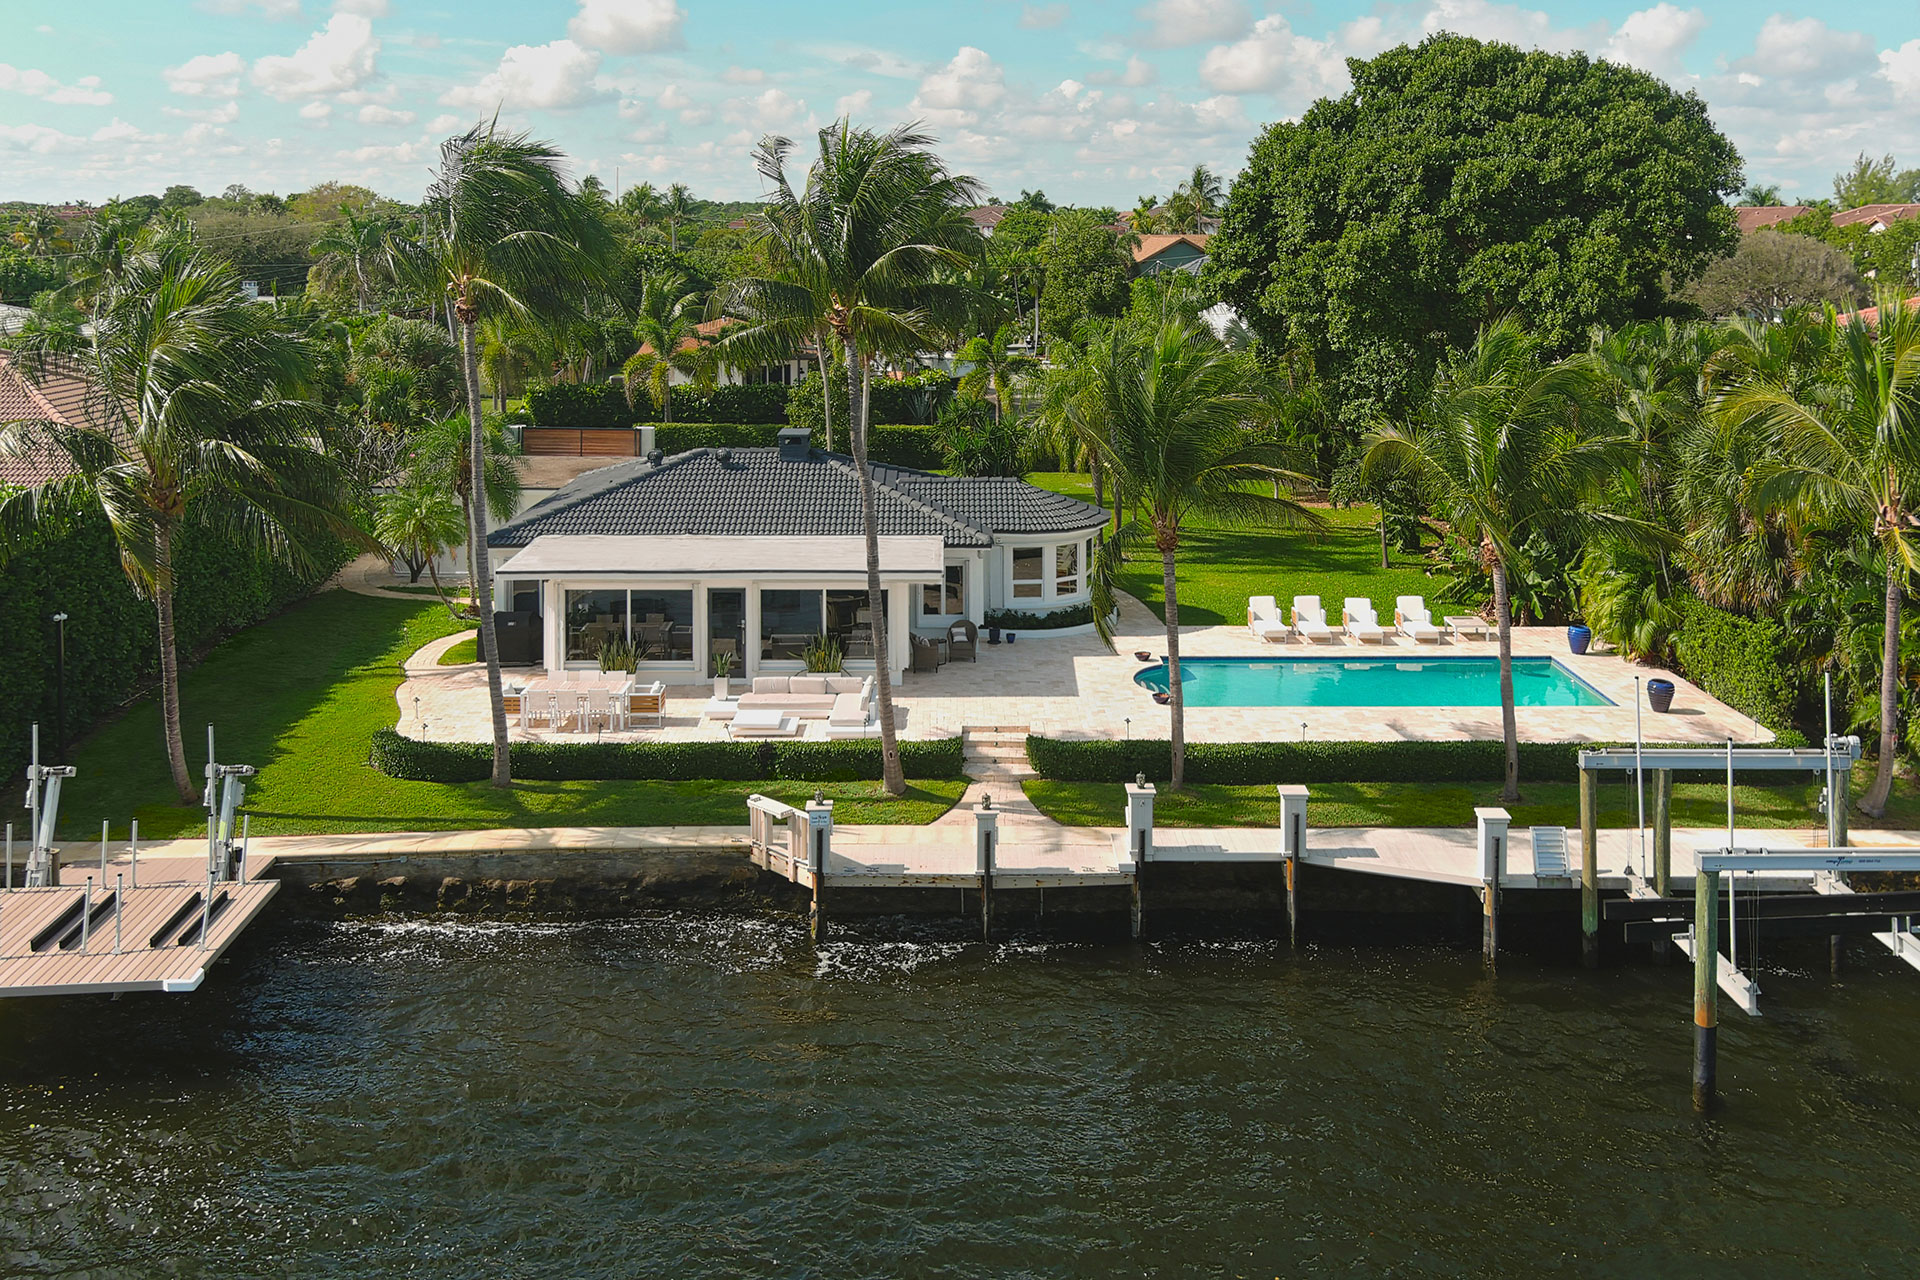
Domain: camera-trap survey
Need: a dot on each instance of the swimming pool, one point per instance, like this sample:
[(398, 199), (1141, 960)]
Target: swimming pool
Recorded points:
[(1375, 682)]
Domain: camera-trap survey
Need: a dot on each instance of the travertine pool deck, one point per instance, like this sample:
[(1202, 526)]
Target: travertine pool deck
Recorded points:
[(1070, 686)]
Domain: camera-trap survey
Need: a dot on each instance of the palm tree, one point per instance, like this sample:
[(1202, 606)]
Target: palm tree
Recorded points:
[(442, 458), (1499, 452), (1203, 188), (41, 234), (350, 247), (676, 208), (1180, 410), (1145, 219), (196, 418), (668, 328), (417, 522), (994, 369), (1847, 453), (642, 204), (862, 250), (499, 232)]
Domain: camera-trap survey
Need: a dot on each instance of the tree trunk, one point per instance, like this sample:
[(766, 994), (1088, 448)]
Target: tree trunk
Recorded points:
[(1874, 803), (1384, 562), (170, 666), (1099, 481), (1176, 697), (891, 774), (1510, 793), (826, 394), (481, 586)]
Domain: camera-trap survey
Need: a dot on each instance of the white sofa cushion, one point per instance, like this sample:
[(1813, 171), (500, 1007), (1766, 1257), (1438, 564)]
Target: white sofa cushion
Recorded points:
[(807, 684), (848, 709), (770, 684), (843, 684)]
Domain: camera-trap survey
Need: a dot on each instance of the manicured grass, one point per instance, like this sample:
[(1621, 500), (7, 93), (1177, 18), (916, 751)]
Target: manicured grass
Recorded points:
[(1427, 804), (1220, 568), (465, 651), (300, 695)]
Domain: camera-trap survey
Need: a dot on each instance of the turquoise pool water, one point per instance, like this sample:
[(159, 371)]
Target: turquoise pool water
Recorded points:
[(1377, 682)]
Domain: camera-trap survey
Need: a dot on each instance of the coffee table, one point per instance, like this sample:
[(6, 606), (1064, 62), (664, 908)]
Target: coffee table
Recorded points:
[(1467, 624)]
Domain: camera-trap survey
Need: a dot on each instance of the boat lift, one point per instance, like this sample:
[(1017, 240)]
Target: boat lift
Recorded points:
[(43, 803), (226, 792)]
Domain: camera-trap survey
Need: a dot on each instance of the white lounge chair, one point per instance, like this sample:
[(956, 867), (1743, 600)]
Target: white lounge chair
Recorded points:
[(1263, 618), (1309, 619), (1411, 617), (1362, 623)]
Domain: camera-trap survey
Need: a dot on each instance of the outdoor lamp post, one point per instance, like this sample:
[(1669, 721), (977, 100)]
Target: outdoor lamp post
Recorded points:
[(60, 684)]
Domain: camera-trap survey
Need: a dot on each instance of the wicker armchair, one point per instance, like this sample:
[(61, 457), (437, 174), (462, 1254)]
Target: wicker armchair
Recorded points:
[(926, 655), (963, 639)]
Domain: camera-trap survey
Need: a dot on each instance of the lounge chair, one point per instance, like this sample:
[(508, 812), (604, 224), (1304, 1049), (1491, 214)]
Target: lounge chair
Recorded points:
[(963, 641), (1263, 619), (1309, 619), (1362, 623), (1411, 617)]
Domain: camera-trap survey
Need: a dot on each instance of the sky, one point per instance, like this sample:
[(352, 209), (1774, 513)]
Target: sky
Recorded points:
[(1095, 103)]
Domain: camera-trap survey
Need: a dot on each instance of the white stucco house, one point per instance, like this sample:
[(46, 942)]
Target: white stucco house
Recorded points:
[(756, 552)]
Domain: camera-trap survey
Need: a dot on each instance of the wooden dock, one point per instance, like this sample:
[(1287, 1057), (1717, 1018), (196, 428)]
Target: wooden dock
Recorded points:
[(78, 938)]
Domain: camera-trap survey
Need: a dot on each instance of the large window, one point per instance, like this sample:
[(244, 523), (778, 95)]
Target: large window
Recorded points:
[(938, 599), (1029, 564), (662, 625), (594, 618), (788, 621), (1066, 569)]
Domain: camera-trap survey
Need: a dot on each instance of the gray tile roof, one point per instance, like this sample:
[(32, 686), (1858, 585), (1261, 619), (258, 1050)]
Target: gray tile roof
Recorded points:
[(753, 492)]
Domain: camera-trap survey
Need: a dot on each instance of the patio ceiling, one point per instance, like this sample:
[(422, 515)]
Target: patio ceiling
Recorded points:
[(607, 555)]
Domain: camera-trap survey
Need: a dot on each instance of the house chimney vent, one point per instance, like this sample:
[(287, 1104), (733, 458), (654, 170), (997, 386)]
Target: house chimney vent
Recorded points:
[(795, 444)]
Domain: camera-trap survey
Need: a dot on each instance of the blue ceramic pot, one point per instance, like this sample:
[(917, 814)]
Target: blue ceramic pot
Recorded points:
[(1578, 638), (1660, 695)]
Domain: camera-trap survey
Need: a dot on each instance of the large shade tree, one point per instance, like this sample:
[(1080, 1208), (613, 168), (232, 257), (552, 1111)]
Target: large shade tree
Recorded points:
[(1846, 452), (1505, 445), (1459, 181), (500, 230), (1177, 416), (198, 413), (865, 249)]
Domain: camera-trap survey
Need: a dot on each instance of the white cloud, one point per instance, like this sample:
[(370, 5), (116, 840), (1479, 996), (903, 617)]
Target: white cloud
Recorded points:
[(365, 8), (316, 110), (276, 10), (1808, 47), (1177, 22), (1654, 39), (960, 91), (374, 113), (1041, 17), (1139, 72), (1901, 68), (84, 92), (121, 131), (766, 110), (1274, 59), (855, 104), (446, 123), (628, 26), (674, 98), (338, 57), (398, 153), (879, 62), (226, 113), (210, 75), (552, 76), (35, 138), (744, 75)]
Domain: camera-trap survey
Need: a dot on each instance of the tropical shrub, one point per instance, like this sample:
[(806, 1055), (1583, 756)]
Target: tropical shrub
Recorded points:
[(1744, 662), (1079, 615)]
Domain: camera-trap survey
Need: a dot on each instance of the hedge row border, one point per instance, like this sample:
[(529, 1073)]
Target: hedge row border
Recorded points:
[(413, 760)]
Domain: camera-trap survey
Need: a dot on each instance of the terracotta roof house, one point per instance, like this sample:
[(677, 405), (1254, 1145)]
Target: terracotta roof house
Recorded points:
[(1154, 254), (757, 552), (54, 397), (1753, 217), (1870, 316), (987, 216), (1877, 217)]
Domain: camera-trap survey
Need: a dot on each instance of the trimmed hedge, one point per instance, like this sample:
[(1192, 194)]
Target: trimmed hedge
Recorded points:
[(598, 404), (580, 404), (1078, 615), (916, 447), (399, 756), (1244, 764), (1743, 662), (902, 446)]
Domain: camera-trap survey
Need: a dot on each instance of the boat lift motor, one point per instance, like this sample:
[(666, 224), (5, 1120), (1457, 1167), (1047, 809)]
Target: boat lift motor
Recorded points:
[(43, 802), (226, 792)]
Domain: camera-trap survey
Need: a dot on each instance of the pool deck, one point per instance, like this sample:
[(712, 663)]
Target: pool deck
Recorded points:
[(1071, 686)]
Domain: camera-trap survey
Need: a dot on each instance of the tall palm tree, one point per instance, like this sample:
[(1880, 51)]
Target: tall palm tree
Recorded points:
[(1181, 411), (641, 203), (500, 231), (442, 458), (41, 234), (1203, 188), (351, 248), (1500, 450), (668, 328), (1145, 217), (1848, 454), (197, 415), (675, 208), (864, 250), (994, 369)]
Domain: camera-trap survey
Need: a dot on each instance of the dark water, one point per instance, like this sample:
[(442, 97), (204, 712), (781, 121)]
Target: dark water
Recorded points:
[(686, 1095)]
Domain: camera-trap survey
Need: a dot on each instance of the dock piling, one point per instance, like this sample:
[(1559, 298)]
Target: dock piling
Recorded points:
[(1706, 987), (1492, 825), (133, 853), (1662, 850), (986, 829), (119, 897), (819, 845), (1589, 869), (1293, 843), (1140, 838)]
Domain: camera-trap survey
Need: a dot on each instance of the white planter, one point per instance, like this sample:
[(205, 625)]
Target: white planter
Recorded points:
[(720, 686)]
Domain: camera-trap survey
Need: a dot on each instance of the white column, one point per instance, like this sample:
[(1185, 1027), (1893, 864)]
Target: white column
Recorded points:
[(553, 623), (750, 660), (974, 586), (1293, 819), (899, 629), (1140, 818), (702, 635), (1492, 825)]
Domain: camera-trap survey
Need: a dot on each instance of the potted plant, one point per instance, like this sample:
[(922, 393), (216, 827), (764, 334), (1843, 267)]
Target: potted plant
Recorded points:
[(1660, 694), (823, 655), (722, 669), (1578, 638)]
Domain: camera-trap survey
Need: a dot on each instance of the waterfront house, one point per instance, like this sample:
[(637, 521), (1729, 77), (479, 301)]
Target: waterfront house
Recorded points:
[(758, 552)]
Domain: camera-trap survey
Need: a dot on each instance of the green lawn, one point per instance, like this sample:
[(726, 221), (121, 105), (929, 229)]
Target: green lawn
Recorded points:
[(466, 651), (1220, 568), (300, 696), (1439, 804)]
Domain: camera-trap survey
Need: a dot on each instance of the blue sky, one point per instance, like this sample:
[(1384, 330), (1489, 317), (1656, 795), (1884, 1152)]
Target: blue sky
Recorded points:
[(1092, 102)]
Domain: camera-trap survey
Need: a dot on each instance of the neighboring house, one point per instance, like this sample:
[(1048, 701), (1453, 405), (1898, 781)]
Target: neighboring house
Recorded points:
[(1870, 316), (756, 552), (783, 372), (1155, 254), (987, 217), (1752, 217), (13, 319), (54, 397), (1877, 217)]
